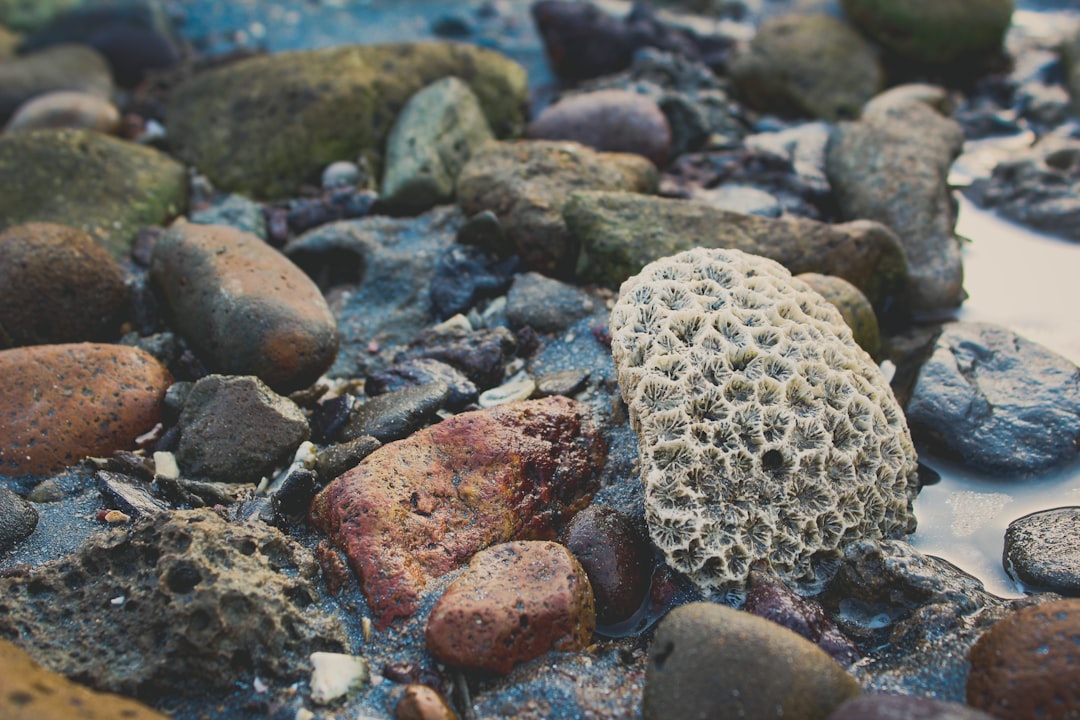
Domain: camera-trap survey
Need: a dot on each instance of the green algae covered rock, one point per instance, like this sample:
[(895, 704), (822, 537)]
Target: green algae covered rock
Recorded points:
[(808, 65), (106, 187), (265, 126), (934, 32)]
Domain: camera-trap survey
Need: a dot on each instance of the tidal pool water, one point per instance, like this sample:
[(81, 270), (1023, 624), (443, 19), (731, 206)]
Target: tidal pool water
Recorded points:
[(1027, 282)]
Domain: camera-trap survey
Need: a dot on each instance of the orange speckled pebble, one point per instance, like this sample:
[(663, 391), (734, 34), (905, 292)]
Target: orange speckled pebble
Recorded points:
[(30, 692), (61, 403)]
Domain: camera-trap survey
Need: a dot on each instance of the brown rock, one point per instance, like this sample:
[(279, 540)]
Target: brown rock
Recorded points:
[(1024, 666), (60, 403), (59, 286), (30, 692), (526, 184), (66, 109), (616, 558), (421, 702), (857, 311), (517, 601), (420, 507), (243, 306), (607, 120)]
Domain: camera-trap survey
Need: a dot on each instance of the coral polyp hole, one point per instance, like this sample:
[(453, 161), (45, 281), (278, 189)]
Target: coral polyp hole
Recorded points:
[(772, 460), (183, 579)]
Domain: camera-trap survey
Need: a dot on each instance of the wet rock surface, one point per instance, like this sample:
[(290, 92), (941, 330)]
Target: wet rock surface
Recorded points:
[(207, 598), (904, 707), (613, 553), (1042, 551), (516, 601), (419, 508), (1000, 402), (18, 518)]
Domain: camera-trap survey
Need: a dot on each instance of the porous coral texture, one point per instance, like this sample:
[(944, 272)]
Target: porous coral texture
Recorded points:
[(765, 432)]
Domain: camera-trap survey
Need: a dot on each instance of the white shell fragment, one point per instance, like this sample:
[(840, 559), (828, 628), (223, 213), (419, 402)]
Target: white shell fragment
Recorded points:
[(335, 675), (765, 432)]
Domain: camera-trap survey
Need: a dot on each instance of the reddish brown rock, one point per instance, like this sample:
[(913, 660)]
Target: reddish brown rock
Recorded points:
[(30, 692), (517, 601), (421, 702), (58, 286), (616, 558), (1025, 666), (61, 403), (607, 120), (243, 306), (418, 508)]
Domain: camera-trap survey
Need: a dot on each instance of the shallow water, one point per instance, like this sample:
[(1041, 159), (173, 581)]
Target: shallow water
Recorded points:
[(1027, 282)]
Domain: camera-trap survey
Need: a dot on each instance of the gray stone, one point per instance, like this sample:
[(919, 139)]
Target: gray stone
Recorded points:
[(1071, 56), (904, 707), (999, 402), (61, 67), (1042, 551), (621, 232), (808, 65), (803, 146), (892, 167), (340, 174), (394, 415), (421, 371), (741, 199), (1038, 187), (546, 305), (18, 519), (235, 211), (237, 430), (709, 660), (433, 137)]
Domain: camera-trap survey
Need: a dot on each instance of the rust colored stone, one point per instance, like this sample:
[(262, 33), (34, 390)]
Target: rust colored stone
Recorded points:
[(30, 692), (516, 602), (1025, 666), (244, 307), (59, 286), (334, 571), (423, 703), (418, 508), (61, 403)]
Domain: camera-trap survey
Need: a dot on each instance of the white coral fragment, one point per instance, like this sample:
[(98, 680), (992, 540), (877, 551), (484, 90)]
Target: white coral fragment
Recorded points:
[(335, 675), (765, 432)]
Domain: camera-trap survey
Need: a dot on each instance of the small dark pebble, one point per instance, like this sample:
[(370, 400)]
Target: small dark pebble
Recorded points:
[(293, 498), (614, 555), (131, 496), (334, 571), (329, 416), (480, 354), (396, 414), (410, 673), (465, 275), (18, 519), (452, 27), (339, 203), (420, 372), (334, 460), (564, 382), (771, 599), (484, 231)]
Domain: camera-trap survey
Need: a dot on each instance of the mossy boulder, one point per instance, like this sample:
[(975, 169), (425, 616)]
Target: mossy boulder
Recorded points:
[(934, 32), (808, 65), (265, 126), (106, 187), (25, 15)]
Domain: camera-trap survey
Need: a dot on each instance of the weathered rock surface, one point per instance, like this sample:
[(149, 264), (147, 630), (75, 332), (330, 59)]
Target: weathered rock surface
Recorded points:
[(421, 507), (18, 519), (1042, 551), (934, 32), (608, 121), (266, 125), (61, 403), (621, 232), (480, 354), (1024, 667), (30, 692), (526, 184), (237, 430), (892, 166), (111, 188), (515, 602), (243, 307), (545, 304), (189, 601), (432, 138), (997, 401), (422, 371), (396, 414), (710, 660), (62, 67), (808, 65), (765, 433), (58, 286)]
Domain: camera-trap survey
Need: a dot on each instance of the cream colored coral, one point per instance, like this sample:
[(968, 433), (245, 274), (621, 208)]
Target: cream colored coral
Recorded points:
[(765, 432)]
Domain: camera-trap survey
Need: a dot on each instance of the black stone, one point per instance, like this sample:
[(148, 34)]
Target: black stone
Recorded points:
[(18, 518), (396, 415), (465, 275), (421, 371), (1042, 551)]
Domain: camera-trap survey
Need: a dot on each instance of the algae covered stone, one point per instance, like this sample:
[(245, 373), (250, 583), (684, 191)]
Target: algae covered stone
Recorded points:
[(267, 125), (106, 187), (765, 432)]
